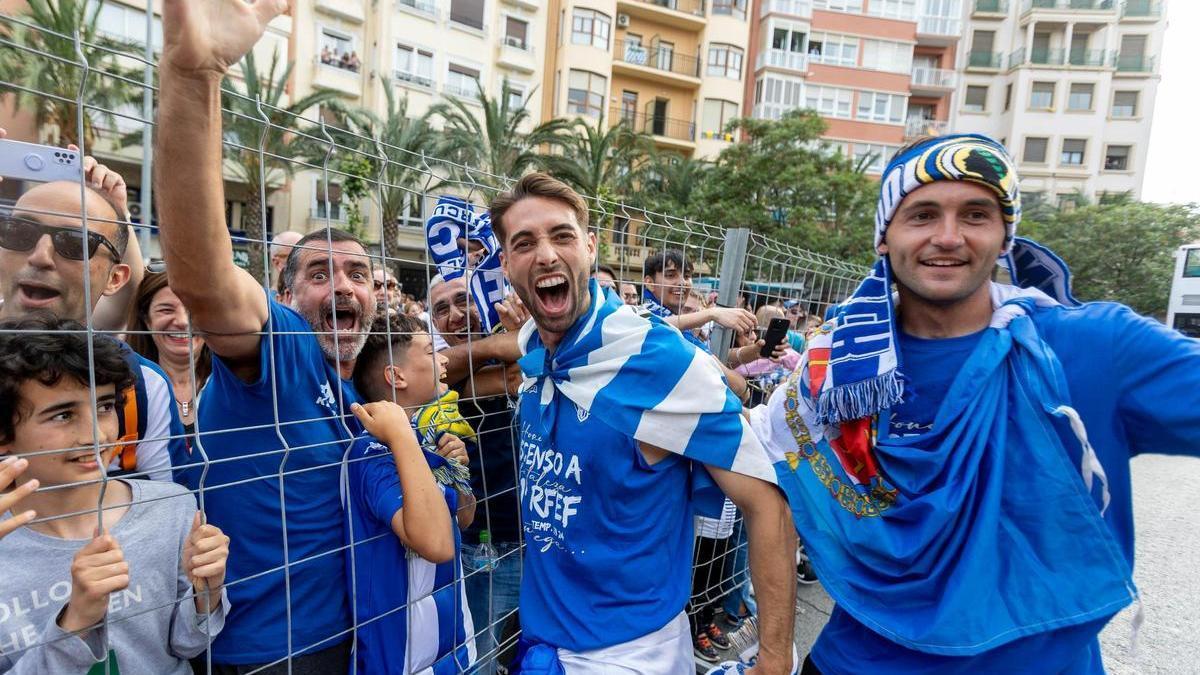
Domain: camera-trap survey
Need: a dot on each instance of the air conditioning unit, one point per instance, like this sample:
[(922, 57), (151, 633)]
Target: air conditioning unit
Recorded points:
[(623, 21)]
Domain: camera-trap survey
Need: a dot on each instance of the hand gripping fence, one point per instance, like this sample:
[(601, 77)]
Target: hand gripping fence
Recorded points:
[(353, 177)]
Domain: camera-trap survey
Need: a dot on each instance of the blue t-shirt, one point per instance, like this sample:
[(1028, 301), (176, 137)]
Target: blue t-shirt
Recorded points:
[(432, 632), (1135, 384), (240, 437), (608, 537)]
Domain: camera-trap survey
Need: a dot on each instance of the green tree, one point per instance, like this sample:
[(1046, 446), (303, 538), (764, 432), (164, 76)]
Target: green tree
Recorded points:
[(285, 141), (786, 183), (596, 158), (46, 63), (403, 140), (667, 181), (1122, 251), (485, 137)]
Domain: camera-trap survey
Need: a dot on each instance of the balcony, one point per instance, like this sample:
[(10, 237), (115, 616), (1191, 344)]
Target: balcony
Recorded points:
[(1058, 58), (663, 65), (412, 79), (1069, 5), (770, 111), (940, 28), (678, 13), (937, 80), (1091, 58), (423, 8), (916, 127), (801, 9), (337, 77), (996, 8), (985, 60), (516, 54), (1135, 63), (665, 130), (468, 91), (1133, 10), (734, 8), (351, 10), (782, 58)]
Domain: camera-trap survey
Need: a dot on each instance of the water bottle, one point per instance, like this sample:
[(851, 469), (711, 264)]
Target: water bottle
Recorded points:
[(485, 555)]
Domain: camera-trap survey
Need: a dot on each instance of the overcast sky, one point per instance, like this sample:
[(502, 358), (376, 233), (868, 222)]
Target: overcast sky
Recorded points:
[(1173, 165)]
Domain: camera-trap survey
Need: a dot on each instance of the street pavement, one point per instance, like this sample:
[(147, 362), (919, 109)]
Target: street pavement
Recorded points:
[(1166, 573)]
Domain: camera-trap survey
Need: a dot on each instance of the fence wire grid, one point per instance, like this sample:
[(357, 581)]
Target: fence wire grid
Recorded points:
[(794, 283)]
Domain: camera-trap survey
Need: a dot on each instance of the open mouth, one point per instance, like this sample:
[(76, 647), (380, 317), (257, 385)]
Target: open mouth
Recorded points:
[(86, 460), (943, 263), (37, 293), (553, 293), (342, 319)]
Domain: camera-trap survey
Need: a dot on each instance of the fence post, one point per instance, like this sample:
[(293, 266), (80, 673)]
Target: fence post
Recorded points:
[(733, 268)]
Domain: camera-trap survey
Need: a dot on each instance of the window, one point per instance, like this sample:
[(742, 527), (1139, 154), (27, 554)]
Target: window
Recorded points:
[(837, 50), (1007, 97), (975, 99), (839, 5), (337, 50), (894, 57), (1125, 104), (830, 101), (729, 8), (788, 39), (1042, 96), (462, 81), (1116, 158), (326, 206), (872, 157), (585, 93), (881, 107), (905, 10), (629, 106), (411, 212), (982, 41), (515, 95), (1081, 96), (1035, 150), (127, 23), (589, 27), (1072, 151), (777, 94), (725, 61), (516, 33), (414, 65), (718, 113), (1191, 264), (467, 12)]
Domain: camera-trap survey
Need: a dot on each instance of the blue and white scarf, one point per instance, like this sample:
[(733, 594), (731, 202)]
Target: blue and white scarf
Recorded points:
[(454, 219), (1031, 265), (636, 374)]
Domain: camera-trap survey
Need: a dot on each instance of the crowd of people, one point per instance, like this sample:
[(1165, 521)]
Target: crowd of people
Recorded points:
[(344, 59), (324, 474)]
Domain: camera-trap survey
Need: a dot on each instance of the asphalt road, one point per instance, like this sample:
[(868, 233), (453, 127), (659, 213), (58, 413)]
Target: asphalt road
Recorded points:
[(1167, 572)]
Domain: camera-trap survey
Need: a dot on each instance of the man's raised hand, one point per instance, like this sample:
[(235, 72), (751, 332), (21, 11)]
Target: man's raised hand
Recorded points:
[(204, 38), (740, 320)]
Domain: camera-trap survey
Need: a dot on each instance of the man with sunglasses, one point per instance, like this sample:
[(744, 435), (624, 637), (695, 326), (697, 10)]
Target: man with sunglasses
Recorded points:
[(387, 290), (44, 259)]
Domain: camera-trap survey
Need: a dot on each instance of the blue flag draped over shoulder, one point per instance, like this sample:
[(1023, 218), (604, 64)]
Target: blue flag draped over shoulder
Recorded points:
[(640, 377), (986, 529), (448, 231)]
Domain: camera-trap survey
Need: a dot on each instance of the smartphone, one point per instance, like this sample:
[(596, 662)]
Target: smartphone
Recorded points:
[(776, 333), (42, 163)]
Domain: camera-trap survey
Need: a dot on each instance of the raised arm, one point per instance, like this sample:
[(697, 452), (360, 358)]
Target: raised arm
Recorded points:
[(201, 41)]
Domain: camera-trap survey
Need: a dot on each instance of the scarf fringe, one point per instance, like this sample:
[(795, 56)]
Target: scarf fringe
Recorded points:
[(856, 400)]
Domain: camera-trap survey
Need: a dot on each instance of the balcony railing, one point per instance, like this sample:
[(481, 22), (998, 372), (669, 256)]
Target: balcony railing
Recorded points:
[(1135, 63), (694, 7), (1092, 58), (939, 25), (933, 77), (468, 91), (770, 111), (734, 8), (985, 60), (1070, 5), (991, 6), (657, 125), (327, 210), (420, 6), (798, 8), (782, 58), (413, 78), (1142, 8), (667, 60), (916, 127)]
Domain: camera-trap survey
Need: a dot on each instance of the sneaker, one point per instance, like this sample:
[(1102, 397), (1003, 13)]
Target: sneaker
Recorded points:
[(704, 648), (733, 621), (717, 636), (805, 574)]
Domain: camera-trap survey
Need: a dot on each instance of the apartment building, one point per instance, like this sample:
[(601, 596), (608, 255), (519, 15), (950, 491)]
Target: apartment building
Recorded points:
[(671, 68), (1068, 86), (878, 71)]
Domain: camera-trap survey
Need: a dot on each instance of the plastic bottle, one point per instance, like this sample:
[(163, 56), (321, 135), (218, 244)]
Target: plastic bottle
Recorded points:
[(486, 555)]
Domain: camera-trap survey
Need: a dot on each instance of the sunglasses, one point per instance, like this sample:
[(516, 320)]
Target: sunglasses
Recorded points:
[(20, 234)]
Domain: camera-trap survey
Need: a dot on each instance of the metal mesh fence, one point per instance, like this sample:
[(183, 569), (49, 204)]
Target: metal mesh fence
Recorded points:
[(270, 152)]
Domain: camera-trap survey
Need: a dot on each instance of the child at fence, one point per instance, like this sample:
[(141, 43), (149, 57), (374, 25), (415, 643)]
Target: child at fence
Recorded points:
[(404, 479), (153, 570)]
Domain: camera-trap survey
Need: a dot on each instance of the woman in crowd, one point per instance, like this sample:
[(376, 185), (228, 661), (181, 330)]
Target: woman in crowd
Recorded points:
[(158, 330)]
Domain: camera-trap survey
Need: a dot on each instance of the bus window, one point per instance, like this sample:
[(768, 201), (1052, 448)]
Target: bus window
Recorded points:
[(1191, 266)]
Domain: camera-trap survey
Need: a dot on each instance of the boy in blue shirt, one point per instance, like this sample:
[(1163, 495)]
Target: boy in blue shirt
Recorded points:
[(402, 559)]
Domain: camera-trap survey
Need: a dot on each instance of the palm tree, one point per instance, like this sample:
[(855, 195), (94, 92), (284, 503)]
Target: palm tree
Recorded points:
[(403, 140), (285, 142), (490, 140), (598, 160), (668, 180), (48, 73)]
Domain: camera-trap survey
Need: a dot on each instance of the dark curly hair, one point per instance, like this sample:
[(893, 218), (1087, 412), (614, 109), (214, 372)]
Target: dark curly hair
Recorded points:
[(397, 331), (45, 348)]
